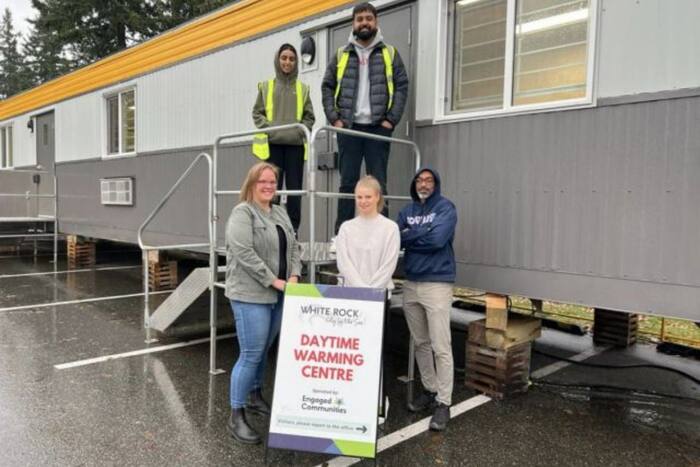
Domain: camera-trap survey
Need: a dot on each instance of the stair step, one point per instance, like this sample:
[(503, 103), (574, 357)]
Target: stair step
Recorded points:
[(196, 283)]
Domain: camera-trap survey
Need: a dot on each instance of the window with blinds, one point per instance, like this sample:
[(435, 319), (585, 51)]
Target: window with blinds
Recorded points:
[(551, 39), (6, 149), (546, 41), (121, 123)]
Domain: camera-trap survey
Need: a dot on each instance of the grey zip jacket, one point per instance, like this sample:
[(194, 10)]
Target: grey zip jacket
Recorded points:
[(252, 252)]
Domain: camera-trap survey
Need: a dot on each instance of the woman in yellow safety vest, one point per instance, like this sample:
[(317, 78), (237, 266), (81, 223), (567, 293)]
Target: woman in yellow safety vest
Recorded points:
[(282, 100)]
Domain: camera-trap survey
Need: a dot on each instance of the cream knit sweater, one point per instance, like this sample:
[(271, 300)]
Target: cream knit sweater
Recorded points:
[(367, 250)]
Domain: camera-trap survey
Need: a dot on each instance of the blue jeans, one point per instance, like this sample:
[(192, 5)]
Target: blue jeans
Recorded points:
[(351, 151), (257, 325)]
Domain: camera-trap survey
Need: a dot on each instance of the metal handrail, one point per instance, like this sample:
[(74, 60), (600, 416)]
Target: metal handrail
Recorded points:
[(213, 254), (312, 179), (159, 206), (149, 218), (214, 192), (54, 219), (331, 194)]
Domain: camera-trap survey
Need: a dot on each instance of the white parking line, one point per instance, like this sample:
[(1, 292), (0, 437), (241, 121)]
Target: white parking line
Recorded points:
[(106, 268), (421, 426), (84, 300), (133, 353)]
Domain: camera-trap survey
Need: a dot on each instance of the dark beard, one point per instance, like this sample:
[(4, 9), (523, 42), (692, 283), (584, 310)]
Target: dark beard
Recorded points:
[(365, 34)]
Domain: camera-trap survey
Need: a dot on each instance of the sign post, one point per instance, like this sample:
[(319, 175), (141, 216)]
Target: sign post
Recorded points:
[(326, 393)]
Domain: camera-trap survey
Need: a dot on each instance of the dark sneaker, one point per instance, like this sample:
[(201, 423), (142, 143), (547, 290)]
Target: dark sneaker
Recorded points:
[(441, 415), (425, 400)]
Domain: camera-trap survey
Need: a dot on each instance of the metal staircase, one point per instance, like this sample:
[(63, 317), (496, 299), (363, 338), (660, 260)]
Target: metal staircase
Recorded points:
[(182, 297), (313, 253)]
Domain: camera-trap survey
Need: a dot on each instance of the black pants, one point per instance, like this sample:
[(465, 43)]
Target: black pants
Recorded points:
[(351, 151), (290, 160)]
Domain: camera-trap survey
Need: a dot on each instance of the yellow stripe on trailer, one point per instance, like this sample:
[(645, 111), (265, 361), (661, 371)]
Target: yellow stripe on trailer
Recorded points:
[(225, 27)]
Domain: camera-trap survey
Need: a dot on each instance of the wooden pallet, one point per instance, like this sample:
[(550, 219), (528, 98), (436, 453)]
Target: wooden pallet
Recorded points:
[(14, 249), (162, 275), (498, 373), (81, 254), (615, 328)]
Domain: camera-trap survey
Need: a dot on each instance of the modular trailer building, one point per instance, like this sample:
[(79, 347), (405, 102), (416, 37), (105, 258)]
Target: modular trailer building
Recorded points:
[(565, 132)]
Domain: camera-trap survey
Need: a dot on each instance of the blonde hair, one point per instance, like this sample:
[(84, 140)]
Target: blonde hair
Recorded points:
[(372, 183), (252, 178)]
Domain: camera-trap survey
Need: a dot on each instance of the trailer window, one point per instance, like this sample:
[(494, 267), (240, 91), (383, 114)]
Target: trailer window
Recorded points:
[(511, 54), (121, 123), (6, 149)]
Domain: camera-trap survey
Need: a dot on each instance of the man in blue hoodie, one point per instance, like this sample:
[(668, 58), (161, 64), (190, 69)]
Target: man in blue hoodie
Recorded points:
[(427, 231)]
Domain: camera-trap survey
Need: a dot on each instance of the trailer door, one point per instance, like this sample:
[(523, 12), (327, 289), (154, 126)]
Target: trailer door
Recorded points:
[(397, 26)]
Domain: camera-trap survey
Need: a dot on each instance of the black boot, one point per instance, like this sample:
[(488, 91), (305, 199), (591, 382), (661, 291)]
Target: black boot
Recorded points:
[(256, 404), (240, 430)]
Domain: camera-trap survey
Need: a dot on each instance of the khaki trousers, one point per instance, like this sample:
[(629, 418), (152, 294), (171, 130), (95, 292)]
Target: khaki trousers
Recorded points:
[(427, 307)]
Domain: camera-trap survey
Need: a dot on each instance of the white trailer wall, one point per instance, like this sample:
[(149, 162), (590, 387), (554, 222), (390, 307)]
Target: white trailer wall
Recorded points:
[(643, 46), (191, 103)]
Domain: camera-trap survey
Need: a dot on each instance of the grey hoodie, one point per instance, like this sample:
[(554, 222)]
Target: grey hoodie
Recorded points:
[(285, 107), (363, 109)]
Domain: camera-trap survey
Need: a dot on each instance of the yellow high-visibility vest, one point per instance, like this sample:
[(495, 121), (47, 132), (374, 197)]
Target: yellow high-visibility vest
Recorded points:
[(388, 53), (261, 146)]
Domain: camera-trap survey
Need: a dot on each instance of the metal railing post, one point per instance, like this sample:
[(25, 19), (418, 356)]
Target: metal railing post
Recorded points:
[(146, 248), (146, 298), (37, 218), (214, 218), (213, 263), (312, 180), (55, 219)]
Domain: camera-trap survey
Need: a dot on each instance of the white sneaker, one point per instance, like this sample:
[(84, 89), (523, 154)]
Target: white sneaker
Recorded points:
[(331, 246)]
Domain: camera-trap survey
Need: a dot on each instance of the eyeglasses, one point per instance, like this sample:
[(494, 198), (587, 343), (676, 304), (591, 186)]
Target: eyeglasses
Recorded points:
[(426, 180), (267, 182)]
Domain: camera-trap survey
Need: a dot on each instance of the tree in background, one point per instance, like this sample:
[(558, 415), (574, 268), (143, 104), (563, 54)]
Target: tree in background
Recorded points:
[(44, 56), (89, 30), (68, 34), (13, 73)]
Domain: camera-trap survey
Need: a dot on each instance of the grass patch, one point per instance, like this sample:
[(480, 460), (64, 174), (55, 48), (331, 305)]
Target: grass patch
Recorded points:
[(650, 327)]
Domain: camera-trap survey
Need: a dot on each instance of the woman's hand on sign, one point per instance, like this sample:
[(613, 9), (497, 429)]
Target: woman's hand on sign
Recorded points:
[(293, 279), (279, 284)]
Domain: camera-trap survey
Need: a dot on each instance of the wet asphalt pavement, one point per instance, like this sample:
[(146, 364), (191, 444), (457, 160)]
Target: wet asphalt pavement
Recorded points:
[(165, 409)]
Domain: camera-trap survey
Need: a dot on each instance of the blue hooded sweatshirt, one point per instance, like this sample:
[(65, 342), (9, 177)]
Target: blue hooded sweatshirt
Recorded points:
[(427, 232)]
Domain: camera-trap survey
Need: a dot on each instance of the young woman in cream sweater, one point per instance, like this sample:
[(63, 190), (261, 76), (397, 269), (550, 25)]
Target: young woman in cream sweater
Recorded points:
[(367, 247)]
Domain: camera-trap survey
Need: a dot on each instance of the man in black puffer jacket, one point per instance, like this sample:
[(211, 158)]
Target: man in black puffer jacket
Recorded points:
[(365, 88)]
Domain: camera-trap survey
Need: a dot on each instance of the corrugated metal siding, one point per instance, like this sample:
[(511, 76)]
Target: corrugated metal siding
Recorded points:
[(610, 192), (183, 219), (23, 142), (80, 128), (187, 105), (236, 23), (194, 102)]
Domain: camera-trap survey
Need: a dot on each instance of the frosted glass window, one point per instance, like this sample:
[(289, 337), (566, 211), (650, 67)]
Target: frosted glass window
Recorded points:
[(128, 112), (506, 54), (551, 43), (6, 149), (121, 123), (479, 54)]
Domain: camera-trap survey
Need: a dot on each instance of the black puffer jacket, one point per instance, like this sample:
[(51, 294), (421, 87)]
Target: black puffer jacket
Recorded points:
[(379, 94)]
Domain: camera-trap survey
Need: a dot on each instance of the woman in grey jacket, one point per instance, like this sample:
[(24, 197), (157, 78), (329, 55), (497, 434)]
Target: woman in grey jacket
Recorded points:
[(262, 256)]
